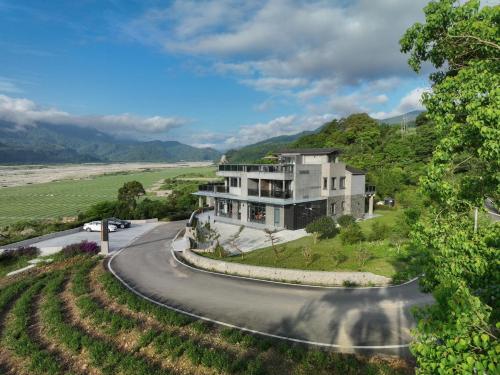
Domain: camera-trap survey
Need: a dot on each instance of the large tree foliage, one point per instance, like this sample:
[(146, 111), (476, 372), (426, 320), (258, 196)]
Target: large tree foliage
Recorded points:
[(459, 334), (129, 193)]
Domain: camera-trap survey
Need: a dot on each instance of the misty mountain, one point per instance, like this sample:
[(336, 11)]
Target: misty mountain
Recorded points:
[(49, 143)]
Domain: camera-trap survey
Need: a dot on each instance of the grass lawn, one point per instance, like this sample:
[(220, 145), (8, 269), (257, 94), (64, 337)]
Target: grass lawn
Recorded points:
[(384, 261), (69, 197), (15, 263)]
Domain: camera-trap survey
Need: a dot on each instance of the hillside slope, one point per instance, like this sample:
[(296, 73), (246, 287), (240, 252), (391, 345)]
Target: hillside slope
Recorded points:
[(48, 143)]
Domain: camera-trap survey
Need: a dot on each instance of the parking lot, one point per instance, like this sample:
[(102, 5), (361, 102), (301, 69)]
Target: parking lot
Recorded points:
[(117, 240)]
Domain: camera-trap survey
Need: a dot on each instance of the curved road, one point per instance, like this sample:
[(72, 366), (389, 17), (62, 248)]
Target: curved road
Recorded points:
[(346, 319)]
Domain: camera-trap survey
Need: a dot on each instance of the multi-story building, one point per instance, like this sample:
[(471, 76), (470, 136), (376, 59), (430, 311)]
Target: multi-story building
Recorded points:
[(303, 185)]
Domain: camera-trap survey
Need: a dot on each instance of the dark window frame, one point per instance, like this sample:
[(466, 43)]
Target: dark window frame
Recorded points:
[(342, 183)]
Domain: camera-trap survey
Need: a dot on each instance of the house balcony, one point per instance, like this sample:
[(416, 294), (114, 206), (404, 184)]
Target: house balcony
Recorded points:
[(268, 171), (270, 194), (213, 188)]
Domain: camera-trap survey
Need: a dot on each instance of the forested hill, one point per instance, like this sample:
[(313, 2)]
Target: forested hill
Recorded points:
[(391, 158), (48, 143)]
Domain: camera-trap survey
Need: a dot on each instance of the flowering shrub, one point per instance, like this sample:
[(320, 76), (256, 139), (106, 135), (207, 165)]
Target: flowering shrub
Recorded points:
[(84, 248), (9, 254)]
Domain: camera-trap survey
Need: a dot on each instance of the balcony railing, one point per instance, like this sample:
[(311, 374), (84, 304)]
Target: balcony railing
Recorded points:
[(369, 189), (270, 193), (264, 168), (214, 188)]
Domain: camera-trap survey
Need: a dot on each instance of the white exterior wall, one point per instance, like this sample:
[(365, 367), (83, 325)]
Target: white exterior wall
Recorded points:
[(314, 159), (307, 185)]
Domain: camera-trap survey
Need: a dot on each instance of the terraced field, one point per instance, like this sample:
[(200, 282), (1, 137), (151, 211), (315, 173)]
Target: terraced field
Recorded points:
[(74, 317), (69, 197)]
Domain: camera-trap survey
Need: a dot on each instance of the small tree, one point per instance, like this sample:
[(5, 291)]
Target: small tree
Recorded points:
[(363, 255), (307, 254), (338, 258), (324, 225), (129, 193), (379, 231), (346, 220), (272, 237), (351, 234)]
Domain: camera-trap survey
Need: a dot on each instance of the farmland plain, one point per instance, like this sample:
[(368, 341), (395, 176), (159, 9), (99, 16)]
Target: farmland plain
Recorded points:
[(68, 197)]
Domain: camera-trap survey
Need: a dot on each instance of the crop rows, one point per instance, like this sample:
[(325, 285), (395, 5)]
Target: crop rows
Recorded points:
[(68, 197), (76, 318)]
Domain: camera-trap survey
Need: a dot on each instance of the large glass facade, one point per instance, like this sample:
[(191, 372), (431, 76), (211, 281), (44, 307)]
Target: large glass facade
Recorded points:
[(257, 213)]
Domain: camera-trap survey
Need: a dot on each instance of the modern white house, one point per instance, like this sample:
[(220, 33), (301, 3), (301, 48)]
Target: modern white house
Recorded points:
[(301, 186)]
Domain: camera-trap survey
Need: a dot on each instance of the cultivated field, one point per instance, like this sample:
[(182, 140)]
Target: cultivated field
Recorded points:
[(74, 317), (69, 197)]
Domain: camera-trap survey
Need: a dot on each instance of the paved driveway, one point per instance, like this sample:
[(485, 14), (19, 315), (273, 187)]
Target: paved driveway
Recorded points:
[(117, 239), (367, 320)]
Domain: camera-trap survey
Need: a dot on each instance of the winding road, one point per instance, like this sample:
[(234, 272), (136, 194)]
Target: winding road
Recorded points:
[(345, 319)]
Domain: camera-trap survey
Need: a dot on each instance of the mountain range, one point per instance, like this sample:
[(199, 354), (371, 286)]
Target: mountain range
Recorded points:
[(49, 143)]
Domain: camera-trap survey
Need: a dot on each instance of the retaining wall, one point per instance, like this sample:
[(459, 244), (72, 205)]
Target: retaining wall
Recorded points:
[(143, 221), (284, 274)]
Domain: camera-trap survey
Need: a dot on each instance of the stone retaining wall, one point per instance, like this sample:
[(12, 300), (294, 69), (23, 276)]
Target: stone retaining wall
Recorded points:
[(284, 274)]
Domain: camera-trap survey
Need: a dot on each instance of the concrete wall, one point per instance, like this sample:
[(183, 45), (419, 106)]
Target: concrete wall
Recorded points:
[(314, 159), (307, 185), (282, 274), (357, 205)]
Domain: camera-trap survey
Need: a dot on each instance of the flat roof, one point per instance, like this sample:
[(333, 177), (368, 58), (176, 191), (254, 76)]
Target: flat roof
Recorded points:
[(354, 171), (310, 151)]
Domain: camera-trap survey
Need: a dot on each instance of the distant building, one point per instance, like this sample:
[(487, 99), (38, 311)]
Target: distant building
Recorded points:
[(303, 185)]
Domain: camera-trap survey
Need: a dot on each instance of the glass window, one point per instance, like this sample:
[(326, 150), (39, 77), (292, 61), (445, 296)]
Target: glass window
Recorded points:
[(342, 182), (325, 183), (333, 183), (342, 206), (234, 182), (334, 208), (257, 213)]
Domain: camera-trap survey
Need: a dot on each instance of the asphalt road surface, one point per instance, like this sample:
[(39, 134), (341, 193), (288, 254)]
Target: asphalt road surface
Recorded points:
[(345, 319)]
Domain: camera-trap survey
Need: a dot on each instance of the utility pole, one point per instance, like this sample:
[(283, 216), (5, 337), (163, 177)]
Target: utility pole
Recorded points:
[(404, 126), (475, 220)]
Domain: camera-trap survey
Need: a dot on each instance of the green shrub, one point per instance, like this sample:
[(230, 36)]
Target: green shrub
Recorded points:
[(346, 220), (351, 234), (379, 231), (324, 225)]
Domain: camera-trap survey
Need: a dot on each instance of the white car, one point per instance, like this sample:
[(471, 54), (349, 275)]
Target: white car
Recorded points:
[(95, 226)]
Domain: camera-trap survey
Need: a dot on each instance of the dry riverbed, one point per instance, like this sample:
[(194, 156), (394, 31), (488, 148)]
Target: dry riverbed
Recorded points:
[(21, 175)]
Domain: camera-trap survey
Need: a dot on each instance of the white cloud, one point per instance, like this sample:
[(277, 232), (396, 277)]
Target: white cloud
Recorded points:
[(274, 84), (248, 134), (410, 102), (9, 86), (24, 112)]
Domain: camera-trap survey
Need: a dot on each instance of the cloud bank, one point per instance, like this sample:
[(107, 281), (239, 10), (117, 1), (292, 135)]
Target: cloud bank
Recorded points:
[(24, 113)]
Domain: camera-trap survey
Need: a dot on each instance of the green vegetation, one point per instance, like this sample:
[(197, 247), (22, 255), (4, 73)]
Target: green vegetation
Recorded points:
[(459, 334), (34, 210), (331, 254), (13, 259), (73, 316), (69, 197)]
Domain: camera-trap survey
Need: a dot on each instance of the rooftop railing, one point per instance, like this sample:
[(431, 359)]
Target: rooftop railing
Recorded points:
[(265, 168), (370, 189), (214, 188)]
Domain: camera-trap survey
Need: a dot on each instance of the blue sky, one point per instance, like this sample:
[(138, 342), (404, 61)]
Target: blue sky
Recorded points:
[(207, 73)]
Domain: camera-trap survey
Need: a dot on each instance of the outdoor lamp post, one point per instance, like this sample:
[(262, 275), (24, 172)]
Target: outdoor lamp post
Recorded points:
[(104, 237)]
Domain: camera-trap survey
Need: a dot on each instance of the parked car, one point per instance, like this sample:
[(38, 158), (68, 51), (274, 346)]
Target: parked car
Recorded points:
[(95, 226), (119, 222)]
